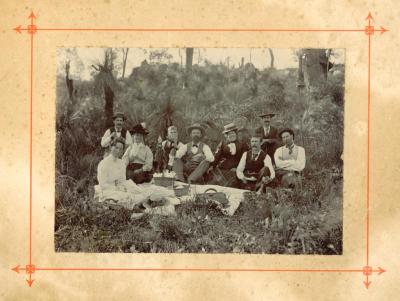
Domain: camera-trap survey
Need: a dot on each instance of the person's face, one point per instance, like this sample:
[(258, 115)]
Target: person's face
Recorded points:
[(117, 149), (119, 122), (138, 138), (196, 135), (255, 143), (173, 134), (266, 120), (231, 136), (287, 138)]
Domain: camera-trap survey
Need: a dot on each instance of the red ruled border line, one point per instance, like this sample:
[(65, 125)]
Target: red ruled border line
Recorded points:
[(33, 29)]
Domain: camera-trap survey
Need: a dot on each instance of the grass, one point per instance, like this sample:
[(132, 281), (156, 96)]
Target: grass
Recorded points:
[(309, 222)]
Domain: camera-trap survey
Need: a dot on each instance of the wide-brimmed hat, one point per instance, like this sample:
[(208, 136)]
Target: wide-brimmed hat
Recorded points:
[(139, 129), (286, 130), (267, 114), (229, 128), (119, 114), (196, 126)]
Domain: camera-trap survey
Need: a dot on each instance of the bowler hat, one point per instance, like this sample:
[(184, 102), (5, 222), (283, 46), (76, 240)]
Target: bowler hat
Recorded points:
[(119, 114), (267, 114)]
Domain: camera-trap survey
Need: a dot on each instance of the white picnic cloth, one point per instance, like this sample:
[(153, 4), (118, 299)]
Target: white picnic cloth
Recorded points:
[(139, 193)]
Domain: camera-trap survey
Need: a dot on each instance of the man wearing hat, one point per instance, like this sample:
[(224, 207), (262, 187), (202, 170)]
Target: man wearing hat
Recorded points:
[(269, 135), (227, 157), (290, 160), (255, 167), (117, 131), (138, 157), (193, 159)]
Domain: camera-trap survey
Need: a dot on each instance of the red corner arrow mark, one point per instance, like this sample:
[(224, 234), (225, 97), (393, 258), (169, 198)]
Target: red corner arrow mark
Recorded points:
[(18, 29), (30, 281), (367, 284), (369, 17), (383, 30), (16, 269), (32, 16)]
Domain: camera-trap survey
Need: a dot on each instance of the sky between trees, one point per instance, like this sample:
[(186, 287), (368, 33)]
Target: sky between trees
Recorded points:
[(82, 58)]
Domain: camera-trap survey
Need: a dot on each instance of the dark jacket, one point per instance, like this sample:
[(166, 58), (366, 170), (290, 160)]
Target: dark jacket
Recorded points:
[(269, 147), (223, 157)]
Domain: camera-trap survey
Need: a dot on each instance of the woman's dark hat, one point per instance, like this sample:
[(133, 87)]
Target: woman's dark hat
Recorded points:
[(139, 129)]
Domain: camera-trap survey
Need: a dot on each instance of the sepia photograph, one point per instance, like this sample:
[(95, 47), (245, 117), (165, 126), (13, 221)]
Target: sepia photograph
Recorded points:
[(199, 150)]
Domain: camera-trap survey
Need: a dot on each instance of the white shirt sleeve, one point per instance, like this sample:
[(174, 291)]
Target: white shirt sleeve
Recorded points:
[(268, 163), (208, 153), (128, 140), (125, 157), (181, 151), (148, 164), (241, 166), (300, 163), (105, 141)]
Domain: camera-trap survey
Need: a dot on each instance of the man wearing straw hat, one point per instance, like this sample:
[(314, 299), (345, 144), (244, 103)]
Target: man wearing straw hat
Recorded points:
[(193, 159), (269, 135), (138, 157), (117, 131), (227, 157)]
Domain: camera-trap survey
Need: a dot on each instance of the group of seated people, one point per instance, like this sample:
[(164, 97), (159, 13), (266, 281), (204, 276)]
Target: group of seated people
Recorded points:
[(270, 159)]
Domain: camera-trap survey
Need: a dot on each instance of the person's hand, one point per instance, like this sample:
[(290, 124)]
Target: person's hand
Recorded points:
[(266, 179), (119, 182), (233, 169), (137, 171), (244, 180)]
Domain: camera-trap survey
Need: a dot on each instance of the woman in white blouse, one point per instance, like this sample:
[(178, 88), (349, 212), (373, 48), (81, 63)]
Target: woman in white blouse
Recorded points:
[(111, 174)]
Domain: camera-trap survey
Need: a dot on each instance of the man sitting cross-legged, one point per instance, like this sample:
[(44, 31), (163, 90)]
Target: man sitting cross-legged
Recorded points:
[(255, 167), (193, 159)]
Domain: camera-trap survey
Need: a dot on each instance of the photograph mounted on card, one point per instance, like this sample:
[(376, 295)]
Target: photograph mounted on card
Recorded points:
[(199, 150)]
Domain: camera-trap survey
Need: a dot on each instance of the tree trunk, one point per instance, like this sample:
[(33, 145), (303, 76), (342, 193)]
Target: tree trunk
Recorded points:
[(271, 54), (109, 104), (189, 62), (124, 58), (189, 58), (314, 66)]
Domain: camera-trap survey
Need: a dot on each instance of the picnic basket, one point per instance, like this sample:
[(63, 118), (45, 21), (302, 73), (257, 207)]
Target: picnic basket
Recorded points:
[(164, 181), (212, 195)]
